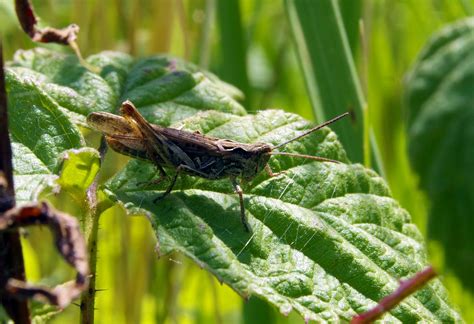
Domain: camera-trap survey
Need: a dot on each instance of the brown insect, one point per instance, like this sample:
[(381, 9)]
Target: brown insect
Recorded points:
[(192, 153)]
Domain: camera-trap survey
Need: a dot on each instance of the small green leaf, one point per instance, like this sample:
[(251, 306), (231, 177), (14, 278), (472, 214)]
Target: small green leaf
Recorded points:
[(327, 240), (440, 102), (79, 168)]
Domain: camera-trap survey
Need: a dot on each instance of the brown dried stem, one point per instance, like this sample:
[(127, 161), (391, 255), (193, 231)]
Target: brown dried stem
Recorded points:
[(11, 255), (406, 288), (14, 290), (69, 242)]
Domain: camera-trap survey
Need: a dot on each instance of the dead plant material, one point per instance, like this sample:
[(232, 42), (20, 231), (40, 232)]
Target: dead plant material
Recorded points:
[(28, 22), (69, 242)]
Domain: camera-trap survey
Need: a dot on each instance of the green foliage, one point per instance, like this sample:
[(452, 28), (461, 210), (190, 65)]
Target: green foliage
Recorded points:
[(79, 168), (328, 67), (233, 65), (3, 314), (439, 96), (40, 133), (327, 240)]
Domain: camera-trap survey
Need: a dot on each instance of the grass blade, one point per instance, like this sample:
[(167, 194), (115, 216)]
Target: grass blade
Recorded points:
[(233, 66), (329, 70)]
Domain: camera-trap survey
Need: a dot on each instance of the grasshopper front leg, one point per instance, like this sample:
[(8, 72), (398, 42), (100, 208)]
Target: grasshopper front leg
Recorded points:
[(270, 172), (239, 191)]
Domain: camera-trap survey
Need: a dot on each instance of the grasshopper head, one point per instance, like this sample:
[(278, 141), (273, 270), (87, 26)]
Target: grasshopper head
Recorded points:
[(255, 160)]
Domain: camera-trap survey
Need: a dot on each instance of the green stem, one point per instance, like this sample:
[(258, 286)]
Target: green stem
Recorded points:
[(88, 298), (91, 229)]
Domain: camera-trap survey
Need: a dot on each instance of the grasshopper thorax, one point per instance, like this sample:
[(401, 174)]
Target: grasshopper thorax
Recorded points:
[(254, 159)]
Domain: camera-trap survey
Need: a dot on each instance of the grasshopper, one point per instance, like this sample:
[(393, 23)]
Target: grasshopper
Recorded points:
[(191, 153)]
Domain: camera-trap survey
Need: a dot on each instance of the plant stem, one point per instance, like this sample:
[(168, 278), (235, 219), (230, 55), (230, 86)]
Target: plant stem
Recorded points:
[(406, 288), (88, 298), (11, 256), (91, 229)]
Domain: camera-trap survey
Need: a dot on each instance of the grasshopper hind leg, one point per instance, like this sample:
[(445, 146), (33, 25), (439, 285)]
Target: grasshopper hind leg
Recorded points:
[(170, 187), (180, 168), (243, 217), (162, 177)]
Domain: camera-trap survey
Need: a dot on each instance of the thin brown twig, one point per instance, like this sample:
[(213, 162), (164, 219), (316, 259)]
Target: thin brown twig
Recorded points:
[(406, 288), (11, 255)]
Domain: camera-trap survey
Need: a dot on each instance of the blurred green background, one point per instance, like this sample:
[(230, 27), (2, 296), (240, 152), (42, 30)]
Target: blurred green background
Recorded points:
[(249, 44)]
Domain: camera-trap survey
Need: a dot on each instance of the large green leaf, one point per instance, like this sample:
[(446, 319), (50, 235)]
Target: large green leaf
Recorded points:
[(327, 240), (440, 100), (39, 131)]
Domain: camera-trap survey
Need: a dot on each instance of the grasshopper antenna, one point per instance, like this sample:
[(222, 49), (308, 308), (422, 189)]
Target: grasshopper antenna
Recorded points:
[(309, 132), (316, 158)]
